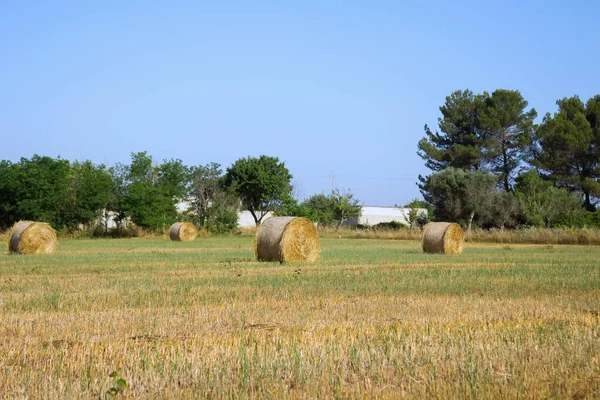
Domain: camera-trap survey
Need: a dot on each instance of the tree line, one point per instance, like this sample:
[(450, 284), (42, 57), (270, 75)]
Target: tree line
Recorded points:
[(75, 195), (493, 166)]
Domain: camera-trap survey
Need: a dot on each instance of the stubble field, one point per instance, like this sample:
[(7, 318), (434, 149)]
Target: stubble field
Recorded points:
[(151, 318)]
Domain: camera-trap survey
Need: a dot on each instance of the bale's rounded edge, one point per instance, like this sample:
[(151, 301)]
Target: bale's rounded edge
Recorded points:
[(28, 237), (287, 239), (454, 239), (443, 237), (183, 232)]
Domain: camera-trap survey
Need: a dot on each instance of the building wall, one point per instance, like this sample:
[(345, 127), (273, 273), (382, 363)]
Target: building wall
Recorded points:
[(245, 219), (373, 215)]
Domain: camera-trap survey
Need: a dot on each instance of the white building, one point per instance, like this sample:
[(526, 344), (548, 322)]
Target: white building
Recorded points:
[(370, 216), (246, 220), (373, 215)]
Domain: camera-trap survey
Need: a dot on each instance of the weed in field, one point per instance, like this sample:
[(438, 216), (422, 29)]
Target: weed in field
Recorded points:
[(118, 387)]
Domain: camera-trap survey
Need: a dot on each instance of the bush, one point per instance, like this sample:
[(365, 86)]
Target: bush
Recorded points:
[(592, 219), (222, 221), (129, 231), (392, 226), (544, 205)]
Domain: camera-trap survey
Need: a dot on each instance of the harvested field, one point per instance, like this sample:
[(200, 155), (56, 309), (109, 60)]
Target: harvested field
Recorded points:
[(372, 318)]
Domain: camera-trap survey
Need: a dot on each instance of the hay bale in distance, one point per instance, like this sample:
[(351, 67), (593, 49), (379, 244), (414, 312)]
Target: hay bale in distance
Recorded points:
[(287, 239), (27, 237), (443, 237), (183, 232)]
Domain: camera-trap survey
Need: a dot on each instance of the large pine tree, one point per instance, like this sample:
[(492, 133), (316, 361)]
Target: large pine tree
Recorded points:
[(458, 143), (567, 147), (507, 129), (480, 132)]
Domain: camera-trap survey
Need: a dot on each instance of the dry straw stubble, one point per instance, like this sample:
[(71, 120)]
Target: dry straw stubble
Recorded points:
[(183, 232), (27, 237), (287, 239), (443, 237)]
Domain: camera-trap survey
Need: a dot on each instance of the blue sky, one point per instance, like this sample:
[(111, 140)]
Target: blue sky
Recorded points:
[(342, 86)]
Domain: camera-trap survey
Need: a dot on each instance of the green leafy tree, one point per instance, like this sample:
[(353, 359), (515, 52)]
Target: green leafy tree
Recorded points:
[(87, 193), (507, 129), (40, 189), (414, 213), (544, 204), (143, 202), (291, 207), (173, 179), (8, 197), (52, 190), (204, 188), (344, 206), (212, 206), (505, 211), (319, 208), (461, 196), (152, 191), (223, 217), (566, 149), (115, 208), (325, 210), (262, 184)]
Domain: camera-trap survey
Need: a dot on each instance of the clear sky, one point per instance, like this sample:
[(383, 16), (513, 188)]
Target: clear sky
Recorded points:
[(342, 86)]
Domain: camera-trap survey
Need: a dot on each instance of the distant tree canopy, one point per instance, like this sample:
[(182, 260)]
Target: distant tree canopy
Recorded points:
[(495, 134), (263, 184), (212, 207), (480, 132), (545, 205), (71, 195), (152, 191), (87, 193), (345, 206), (458, 143), (413, 214), (491, 166), (321, 209), (566, 147), (507, 129), (318, 208), (326, 210), (469, 197), (52, 190)]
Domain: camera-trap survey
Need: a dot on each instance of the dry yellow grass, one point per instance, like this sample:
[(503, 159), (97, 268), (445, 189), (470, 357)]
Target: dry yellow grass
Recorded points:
[(374, 347), (586, 236), (362, 323)]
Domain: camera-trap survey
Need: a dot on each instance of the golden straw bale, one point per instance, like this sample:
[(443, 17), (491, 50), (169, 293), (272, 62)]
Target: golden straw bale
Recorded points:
[(27, 237), (287, 239), (183, 232), (443, 237)]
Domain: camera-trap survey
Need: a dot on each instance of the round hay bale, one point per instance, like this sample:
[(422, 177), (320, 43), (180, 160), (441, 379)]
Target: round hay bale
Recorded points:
[(443, 237), (29, 237), (287, 239), (183, 232)]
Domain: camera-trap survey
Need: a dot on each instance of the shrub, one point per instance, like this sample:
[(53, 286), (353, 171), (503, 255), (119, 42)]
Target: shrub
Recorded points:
[(128, 231), (392, 225)]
